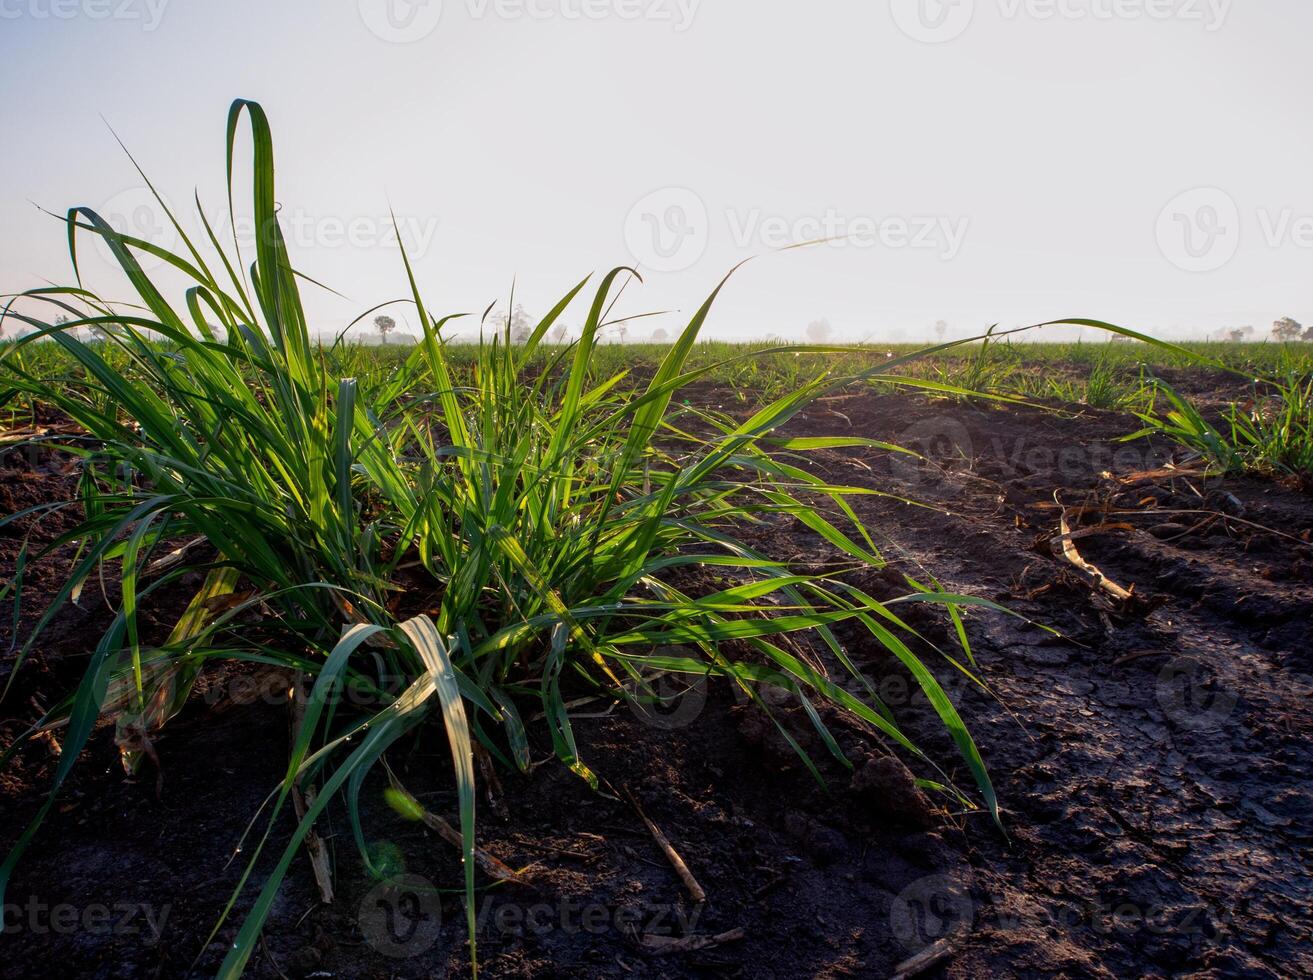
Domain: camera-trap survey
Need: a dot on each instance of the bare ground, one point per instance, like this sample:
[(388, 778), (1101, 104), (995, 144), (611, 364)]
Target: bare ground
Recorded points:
[(1153, 764)]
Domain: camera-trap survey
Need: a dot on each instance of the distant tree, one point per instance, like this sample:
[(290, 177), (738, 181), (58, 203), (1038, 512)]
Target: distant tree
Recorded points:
[(1287, 329), (659, 335), (384, 324), (559, 332), (1239, 334), (818, 331), (1308, 334), (521, 325), (621, 331)]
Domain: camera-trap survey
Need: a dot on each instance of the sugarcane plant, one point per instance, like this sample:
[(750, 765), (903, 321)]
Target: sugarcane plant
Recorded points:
[(458, 544)]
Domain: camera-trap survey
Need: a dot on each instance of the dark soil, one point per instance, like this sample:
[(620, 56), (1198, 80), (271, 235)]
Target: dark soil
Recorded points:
[(1153, 763)]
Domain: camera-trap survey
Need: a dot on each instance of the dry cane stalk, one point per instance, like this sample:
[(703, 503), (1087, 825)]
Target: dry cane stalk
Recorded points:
[(303, 799), (694, 889)]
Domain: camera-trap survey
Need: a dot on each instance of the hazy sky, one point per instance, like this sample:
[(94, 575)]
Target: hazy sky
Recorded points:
[(1142, 161)]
